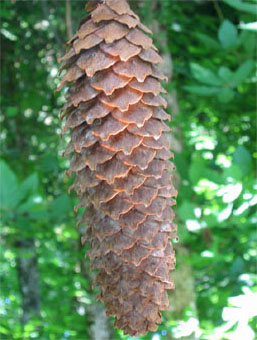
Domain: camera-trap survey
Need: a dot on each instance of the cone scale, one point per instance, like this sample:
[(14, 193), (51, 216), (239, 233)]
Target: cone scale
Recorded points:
[(121, 159)]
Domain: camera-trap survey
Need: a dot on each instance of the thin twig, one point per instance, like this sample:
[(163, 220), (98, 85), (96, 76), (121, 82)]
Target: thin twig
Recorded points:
[(218, 10)]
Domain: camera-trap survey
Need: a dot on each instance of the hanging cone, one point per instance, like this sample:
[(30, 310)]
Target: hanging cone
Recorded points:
[(121, 160)]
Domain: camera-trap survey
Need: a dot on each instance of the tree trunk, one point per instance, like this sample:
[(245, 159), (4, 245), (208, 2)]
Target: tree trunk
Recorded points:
[(100, 326), (28, 279), (68, 19)]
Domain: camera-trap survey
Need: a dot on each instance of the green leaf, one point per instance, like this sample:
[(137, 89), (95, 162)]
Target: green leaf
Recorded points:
[(248, 40), (11, 111), (29, 185), (234, 172), (242, 73), (225, 73), (236, 267), (212, 176), (61, 207), (9, 187), (242, 158), (186, 211), (208, 41), (210, 220), (3, 330), (197, 168), (204, 75), (33, 202), (227, 34), (242, 6), (39, 214), (226, 95), (202, 90)]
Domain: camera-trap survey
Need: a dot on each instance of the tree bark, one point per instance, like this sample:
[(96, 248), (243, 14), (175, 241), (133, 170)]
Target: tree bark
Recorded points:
[(28, 279), (100, 326), (68, 19)]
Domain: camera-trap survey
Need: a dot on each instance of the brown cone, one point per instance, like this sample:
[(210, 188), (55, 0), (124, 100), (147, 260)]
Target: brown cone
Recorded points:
[(121, 160)]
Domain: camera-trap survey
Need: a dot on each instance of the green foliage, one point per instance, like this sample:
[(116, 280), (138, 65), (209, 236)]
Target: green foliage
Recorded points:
[(9, 187), (223, 81), (242, 158), (242, 73), (227, 34), (242, 5), (213, 51)]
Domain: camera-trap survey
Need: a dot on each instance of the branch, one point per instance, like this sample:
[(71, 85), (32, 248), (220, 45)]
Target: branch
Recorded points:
[(218, 10)]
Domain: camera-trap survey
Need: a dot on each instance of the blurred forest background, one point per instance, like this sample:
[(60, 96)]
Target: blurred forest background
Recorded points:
[(210, 51)]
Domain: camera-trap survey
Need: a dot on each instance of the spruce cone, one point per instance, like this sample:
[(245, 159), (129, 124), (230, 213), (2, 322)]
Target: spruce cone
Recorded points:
[(121, 160)]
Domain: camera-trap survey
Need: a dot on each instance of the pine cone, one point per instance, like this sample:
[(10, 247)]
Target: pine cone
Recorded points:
[(121, 160)]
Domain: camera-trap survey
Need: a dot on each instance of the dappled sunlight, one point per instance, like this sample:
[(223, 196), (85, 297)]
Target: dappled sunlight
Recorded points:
[(236, 317), (209, 47)]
